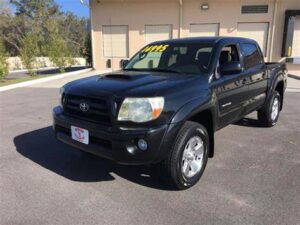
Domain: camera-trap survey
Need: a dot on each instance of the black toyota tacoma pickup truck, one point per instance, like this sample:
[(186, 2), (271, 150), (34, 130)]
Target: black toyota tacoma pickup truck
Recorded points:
[(167, 102)]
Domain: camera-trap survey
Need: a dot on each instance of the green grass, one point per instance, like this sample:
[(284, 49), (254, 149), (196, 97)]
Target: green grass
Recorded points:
[(19, 80)]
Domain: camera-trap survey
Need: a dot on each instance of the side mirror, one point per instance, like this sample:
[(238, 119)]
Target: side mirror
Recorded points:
[(123, 63), (231, 68)]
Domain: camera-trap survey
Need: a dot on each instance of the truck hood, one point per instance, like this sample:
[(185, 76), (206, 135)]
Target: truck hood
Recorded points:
[(130, 83)]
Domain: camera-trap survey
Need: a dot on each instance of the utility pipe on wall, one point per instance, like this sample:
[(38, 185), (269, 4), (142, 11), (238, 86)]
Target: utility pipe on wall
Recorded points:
[(180, 19), (273, 31)]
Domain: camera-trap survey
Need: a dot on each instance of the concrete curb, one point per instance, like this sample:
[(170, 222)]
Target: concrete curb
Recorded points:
[(41, 80)]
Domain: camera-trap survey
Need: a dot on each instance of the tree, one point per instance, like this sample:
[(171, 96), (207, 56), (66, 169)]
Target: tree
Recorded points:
[(29, 15), (3, 62), (29, 50), (11, 30), (43, 21), (87, 50), (58, 52), (74, 29), (36, 12)]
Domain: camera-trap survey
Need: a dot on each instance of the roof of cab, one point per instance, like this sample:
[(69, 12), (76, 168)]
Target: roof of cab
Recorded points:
[(205, 40)]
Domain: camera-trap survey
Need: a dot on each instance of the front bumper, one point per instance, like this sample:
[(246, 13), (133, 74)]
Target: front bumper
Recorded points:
[(115, 143)]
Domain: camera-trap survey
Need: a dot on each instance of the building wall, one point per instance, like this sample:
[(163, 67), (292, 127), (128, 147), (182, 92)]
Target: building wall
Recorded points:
[(284, 5), (134, 14), (138, 13)]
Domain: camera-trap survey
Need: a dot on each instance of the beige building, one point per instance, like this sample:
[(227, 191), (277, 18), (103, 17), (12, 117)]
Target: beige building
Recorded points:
[(121, 27)]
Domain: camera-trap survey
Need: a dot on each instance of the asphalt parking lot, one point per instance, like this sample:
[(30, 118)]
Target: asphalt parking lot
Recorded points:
[(254, 177)]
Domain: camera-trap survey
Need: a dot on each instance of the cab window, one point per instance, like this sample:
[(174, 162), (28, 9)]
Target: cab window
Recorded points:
[(251, 54), (229, 53)]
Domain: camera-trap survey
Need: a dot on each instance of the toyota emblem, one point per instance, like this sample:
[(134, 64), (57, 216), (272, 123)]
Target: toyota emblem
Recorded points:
[(84, 107)]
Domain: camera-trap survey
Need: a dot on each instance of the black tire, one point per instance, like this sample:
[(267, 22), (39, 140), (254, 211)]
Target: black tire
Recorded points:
[(265, 114), (170, 170)]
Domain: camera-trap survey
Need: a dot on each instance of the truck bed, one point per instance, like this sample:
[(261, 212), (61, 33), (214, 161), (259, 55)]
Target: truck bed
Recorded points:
[(274, 68)]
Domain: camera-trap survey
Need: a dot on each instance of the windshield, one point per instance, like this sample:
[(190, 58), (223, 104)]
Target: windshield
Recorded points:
[(175, 58)]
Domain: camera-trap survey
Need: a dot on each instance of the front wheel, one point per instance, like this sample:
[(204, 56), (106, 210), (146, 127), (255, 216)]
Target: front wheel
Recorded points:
[(187, 160), (269, 114)]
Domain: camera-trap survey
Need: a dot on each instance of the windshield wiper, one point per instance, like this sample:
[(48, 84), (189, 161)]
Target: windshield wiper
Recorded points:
[(133, 69)]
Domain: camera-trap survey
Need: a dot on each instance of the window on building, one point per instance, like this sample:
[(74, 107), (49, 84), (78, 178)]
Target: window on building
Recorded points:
[(202, 30), (255, 31), (157, 33), (115, 41), (251, 55)]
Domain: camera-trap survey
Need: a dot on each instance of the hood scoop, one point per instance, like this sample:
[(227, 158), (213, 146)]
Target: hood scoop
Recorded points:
[(117, 76)]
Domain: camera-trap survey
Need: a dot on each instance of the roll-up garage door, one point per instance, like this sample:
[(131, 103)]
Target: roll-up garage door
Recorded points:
[(115, 41), (157, 33), (201, 30), (296, 38), (256, 31)]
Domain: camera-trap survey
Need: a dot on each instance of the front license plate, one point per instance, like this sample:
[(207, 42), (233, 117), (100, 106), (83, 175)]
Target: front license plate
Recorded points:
[(80, 134)]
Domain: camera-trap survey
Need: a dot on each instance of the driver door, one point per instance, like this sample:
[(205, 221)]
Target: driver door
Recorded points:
[(231, 89)]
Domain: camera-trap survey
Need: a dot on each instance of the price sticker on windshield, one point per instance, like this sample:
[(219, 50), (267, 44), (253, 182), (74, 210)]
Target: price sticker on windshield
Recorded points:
[(155, 48)]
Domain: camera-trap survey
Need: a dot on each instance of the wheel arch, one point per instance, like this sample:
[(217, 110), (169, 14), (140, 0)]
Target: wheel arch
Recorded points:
[(200, 110), (277, 83), (280, 88)]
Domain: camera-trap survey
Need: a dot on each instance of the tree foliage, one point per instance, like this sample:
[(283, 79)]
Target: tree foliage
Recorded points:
[(36, 11), (87, 50), (58, 52), (3, 62), (29, 50), (39, 17), (11, 30), (74, 29)]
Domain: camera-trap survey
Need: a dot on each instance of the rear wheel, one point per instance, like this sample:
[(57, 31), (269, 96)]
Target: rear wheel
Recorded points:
[(269, 114), (187, 160)]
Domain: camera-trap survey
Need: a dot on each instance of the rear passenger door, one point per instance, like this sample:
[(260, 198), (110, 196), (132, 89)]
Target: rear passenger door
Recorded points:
[(254, 68)]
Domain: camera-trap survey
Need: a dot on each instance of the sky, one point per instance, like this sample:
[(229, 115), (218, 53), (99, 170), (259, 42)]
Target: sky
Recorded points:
[(73, 6)]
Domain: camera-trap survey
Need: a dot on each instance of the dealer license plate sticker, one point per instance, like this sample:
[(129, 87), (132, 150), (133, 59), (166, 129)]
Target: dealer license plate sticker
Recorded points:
[(79, 134)]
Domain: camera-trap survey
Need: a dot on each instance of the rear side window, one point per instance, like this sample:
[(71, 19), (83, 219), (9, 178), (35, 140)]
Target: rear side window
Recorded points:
[(252, 56)]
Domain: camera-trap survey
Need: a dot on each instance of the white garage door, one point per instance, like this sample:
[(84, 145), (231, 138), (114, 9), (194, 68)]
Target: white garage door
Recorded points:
[(157, 33), (201, 30), (296, 38), (256, 31), (115, 41)]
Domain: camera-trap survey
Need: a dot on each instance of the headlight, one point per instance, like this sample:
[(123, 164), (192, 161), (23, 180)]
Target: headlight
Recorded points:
[(141, 109)]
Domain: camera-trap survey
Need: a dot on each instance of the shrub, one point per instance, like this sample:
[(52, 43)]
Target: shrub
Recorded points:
[(58, 52), (3, 62), (29, 51)]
